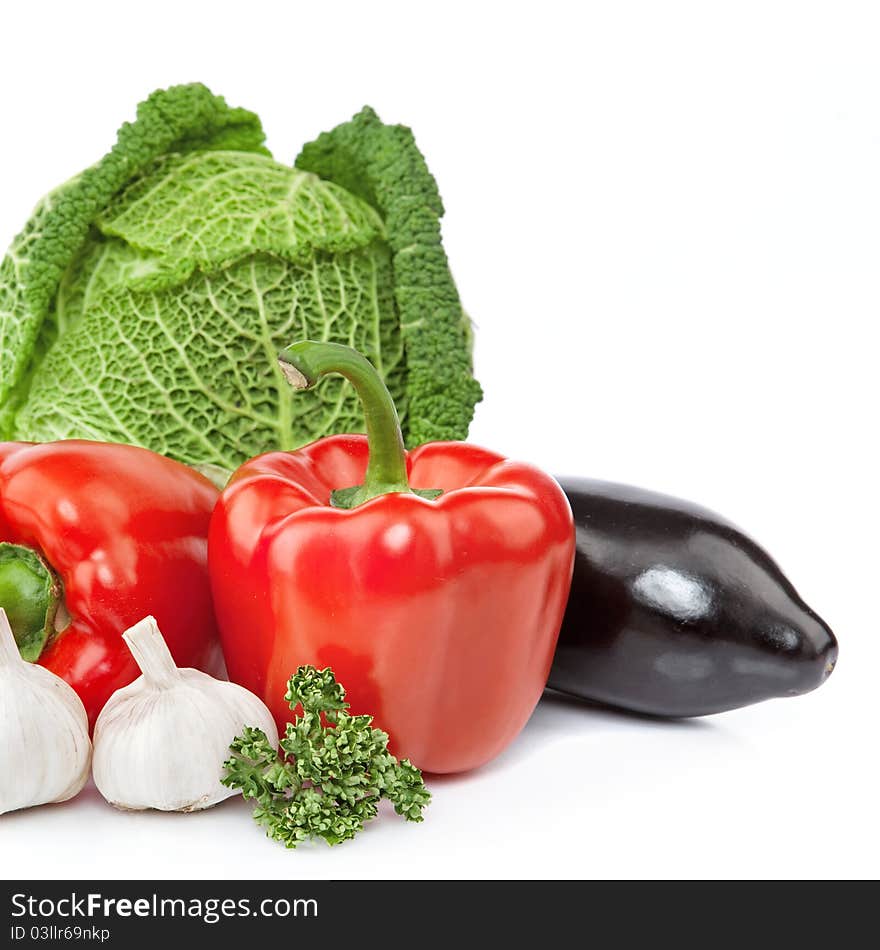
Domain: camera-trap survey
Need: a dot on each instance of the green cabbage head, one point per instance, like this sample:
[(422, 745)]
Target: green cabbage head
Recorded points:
[(146, 299)]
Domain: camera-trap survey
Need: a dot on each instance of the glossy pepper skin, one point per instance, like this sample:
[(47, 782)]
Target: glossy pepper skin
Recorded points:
[(439, 616), (125, 531), (674, 611)]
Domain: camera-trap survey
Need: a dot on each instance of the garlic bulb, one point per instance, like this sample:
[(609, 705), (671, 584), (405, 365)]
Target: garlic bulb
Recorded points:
[(44, 732), (161, 741)]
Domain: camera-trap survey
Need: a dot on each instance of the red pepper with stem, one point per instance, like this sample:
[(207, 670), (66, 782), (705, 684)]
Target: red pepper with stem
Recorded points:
[(433, 582), (93, 537)]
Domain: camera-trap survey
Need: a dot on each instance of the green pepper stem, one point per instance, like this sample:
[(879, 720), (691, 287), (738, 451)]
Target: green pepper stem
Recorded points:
[(305, 363), (30, 592)]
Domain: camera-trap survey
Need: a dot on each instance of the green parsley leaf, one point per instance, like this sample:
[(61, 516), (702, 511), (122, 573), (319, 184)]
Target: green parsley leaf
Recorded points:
[(330, 773)]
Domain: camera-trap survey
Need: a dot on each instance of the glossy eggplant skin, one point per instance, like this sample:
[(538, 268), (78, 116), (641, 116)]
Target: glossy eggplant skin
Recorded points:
[(675, 612)]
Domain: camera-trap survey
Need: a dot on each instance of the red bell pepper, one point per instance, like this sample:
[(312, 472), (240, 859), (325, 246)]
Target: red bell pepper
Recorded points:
[(432, 582), (92, 538)]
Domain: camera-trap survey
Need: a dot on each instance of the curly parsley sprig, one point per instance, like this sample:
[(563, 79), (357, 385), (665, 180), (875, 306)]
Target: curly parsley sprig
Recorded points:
[(331, 772)]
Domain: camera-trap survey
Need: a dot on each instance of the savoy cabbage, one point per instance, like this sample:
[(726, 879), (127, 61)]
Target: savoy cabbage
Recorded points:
[(146, 299)]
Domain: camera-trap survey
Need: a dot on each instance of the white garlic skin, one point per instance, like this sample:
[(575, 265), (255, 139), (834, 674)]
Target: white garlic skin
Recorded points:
[(44, 732), (161, 741)]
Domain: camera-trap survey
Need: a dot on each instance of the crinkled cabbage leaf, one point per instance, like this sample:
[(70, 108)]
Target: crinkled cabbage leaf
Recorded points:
[(146, 299)]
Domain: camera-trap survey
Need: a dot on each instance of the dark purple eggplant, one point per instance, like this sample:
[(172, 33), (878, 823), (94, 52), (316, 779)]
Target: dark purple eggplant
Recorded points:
[(675, 612)]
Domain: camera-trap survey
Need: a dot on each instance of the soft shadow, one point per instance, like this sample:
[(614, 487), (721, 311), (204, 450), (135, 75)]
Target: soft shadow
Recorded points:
[(228, 804), (552, 696), (22, 815), (91, 797), (557, 716)]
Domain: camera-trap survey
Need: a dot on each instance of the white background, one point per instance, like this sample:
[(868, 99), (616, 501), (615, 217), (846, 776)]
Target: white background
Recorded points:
[(665, 221)]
